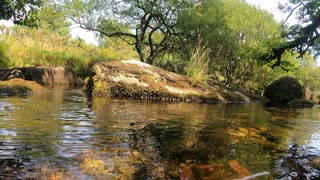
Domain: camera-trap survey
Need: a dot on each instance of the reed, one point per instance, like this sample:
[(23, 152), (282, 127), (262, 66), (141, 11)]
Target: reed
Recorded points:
[(197, 68)]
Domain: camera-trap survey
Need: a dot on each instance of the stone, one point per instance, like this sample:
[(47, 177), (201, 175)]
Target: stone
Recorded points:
[(284, 90), (15, 73), (20, 87), (306, 93), (137, 80)]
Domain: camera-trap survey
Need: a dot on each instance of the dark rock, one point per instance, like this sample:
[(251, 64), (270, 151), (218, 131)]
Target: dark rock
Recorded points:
[(15, 73), (284, 90), (301, 103)]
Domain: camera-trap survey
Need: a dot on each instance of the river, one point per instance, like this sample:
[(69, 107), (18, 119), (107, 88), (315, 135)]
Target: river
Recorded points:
[(62, 135)]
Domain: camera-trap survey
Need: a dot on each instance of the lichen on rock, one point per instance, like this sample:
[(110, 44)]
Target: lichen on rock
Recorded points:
[(137, 80)]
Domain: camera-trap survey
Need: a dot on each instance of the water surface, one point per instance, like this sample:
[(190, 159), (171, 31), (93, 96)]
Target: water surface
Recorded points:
[(63, 135)]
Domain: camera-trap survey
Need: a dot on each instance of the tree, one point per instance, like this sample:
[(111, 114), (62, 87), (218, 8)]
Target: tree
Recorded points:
[(18, 10), (301, 37), (149, 25), (50, 17), (235, 32)]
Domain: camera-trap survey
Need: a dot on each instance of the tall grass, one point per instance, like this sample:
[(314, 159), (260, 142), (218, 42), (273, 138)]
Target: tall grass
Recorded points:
[(197, 68), (39, 47)]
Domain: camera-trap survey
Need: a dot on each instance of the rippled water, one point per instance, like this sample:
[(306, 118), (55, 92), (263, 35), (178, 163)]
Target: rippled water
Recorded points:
[(62, 135)]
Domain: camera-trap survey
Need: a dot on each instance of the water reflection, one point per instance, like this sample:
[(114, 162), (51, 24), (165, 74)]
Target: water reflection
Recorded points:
[(58, 135)]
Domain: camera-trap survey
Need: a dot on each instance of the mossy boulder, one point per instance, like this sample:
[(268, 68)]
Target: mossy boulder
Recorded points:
[(137, 80), (20, 87), (284, 90)]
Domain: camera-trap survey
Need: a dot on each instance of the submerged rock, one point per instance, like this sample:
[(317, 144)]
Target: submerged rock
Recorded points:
[(138, 80), (301, 103), (20, 87)]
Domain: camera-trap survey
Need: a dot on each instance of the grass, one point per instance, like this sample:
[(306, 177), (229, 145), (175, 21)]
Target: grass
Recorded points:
[(25, 47), (197, 69)]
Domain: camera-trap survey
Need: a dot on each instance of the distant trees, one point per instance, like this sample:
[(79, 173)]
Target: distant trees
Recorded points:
[(51, 17), (301, 37), (235, 32), (149, 25), (18, 10)]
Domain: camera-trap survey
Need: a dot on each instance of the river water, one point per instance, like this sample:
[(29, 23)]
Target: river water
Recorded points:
[(62, 135)]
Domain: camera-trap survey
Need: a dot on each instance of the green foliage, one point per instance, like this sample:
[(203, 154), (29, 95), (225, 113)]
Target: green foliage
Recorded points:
[(18, 10), (3, 54), (149, 25), (235, 32), (41, 47), (51, 17)]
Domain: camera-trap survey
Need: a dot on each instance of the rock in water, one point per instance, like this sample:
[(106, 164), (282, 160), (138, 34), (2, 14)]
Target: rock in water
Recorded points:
[(138, 80), (284, 90)]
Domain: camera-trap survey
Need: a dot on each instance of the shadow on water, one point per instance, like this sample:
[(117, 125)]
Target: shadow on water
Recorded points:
[(62, 134)]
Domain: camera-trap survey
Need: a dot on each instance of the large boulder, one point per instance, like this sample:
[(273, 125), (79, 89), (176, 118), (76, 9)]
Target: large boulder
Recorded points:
[(138, 80), (284, 90)]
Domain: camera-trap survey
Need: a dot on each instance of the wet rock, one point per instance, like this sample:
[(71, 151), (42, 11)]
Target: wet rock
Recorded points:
[(20, 87), (284, 90), (136, 80), (301, 103)]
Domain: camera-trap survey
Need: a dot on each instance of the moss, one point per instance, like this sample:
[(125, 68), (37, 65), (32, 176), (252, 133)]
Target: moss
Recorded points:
[(20, 87), (100, 88)]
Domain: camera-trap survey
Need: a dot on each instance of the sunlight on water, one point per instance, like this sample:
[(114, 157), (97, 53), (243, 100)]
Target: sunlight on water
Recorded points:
[(60, 134)]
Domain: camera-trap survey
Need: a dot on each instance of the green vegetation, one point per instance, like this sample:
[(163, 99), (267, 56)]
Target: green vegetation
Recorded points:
[(40, 47), (238, 46)]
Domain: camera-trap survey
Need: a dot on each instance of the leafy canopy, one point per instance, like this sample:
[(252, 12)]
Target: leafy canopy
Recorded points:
[(301, 37), (18, 10), (149, 25)]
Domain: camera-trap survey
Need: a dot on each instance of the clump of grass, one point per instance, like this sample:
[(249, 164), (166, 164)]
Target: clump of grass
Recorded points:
[(197, 68)]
